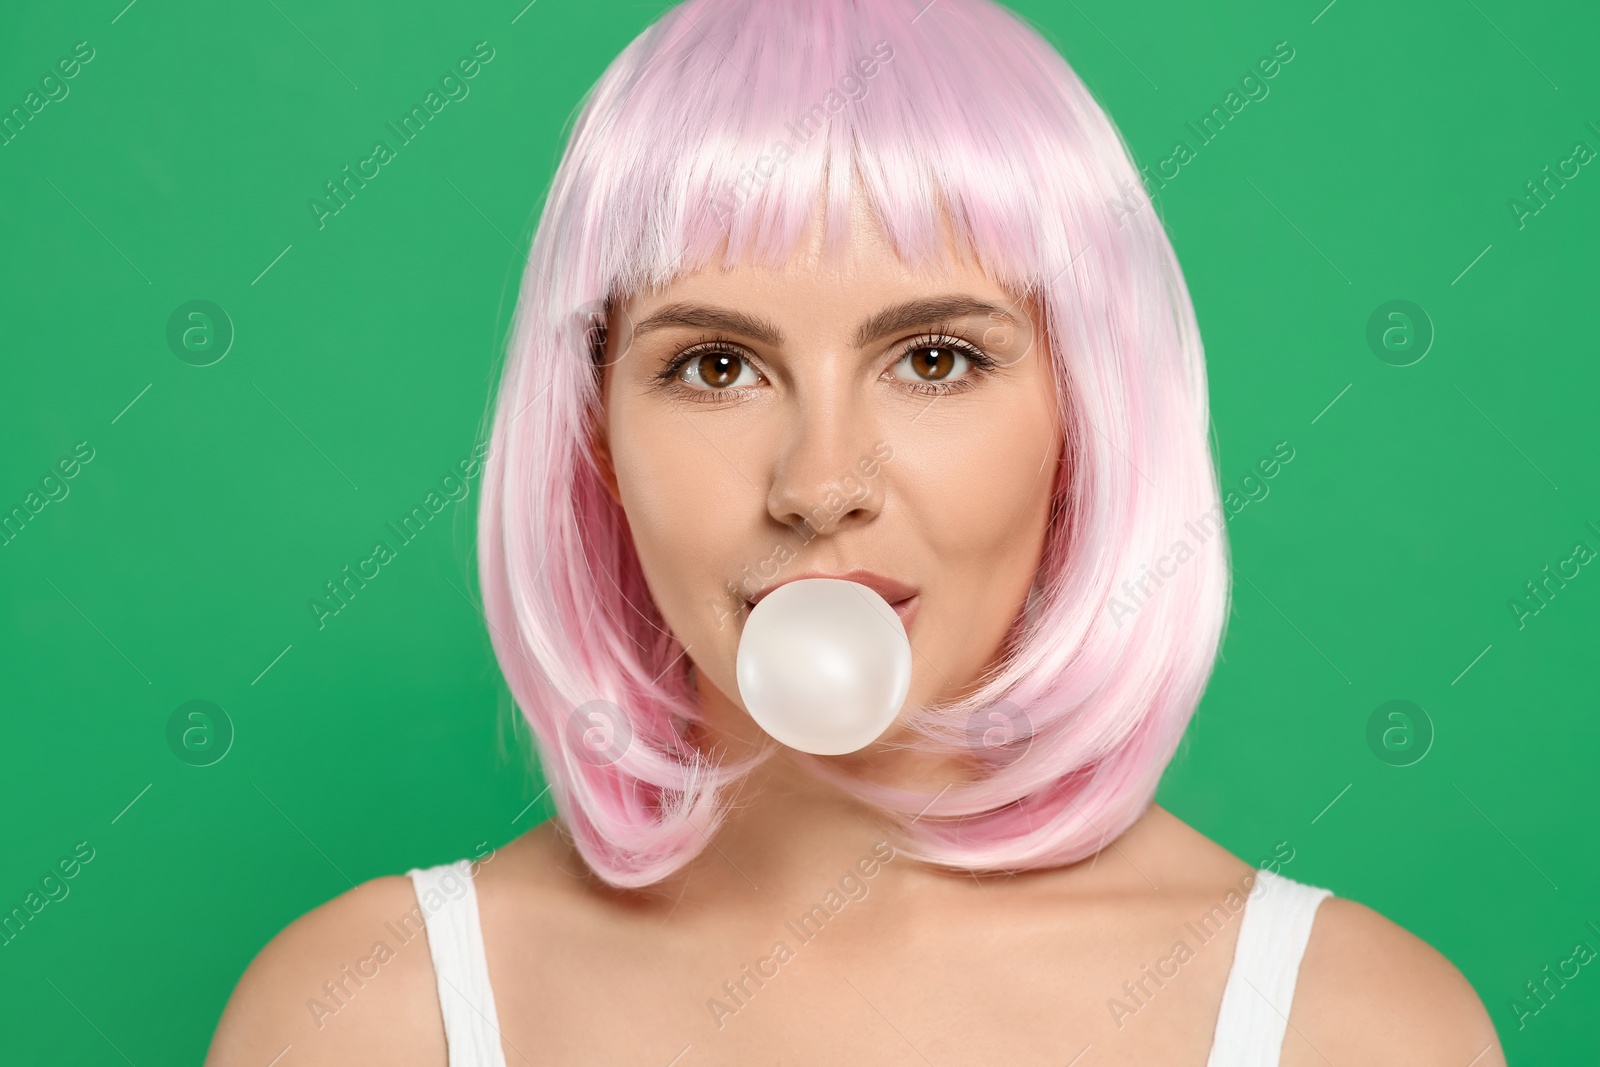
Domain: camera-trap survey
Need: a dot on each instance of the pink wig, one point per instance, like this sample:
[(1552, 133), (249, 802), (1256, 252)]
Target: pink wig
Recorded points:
[(953, 110)]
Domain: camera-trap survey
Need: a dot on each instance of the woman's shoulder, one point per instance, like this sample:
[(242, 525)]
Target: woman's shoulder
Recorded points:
[(352, 980), (349, 981), (1371, 991), (1368, 990)]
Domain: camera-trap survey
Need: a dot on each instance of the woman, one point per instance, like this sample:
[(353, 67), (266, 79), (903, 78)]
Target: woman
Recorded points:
[(866, 290)]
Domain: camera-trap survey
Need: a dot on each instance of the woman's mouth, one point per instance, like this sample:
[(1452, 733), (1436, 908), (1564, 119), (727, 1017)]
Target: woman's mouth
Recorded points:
[(902, 597), (907, 610)]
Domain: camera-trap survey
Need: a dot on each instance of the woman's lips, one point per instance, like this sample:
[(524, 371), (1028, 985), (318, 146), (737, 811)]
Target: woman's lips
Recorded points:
[(907, 610)]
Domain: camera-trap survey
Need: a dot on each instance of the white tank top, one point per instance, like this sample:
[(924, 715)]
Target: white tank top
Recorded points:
[(1273, 931)]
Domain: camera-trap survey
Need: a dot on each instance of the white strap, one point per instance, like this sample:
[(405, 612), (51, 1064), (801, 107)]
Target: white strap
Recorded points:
[(449, 905), (1266, 964)]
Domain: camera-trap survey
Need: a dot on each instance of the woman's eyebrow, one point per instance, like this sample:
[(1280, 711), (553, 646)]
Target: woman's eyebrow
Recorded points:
[(705, 317), (926, 311), (890, 320)]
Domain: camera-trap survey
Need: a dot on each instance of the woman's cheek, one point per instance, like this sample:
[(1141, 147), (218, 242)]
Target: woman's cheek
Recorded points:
[(686, 522), (974, 499)]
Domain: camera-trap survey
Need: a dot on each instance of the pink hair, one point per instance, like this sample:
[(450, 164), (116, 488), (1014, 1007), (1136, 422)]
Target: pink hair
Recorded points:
[(973, 118)]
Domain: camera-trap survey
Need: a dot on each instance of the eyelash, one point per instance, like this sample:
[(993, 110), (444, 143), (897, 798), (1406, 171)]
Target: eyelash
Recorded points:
[(981, 363)]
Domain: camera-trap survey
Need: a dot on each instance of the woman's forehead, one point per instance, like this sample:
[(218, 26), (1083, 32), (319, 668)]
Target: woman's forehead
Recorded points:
[(868, 256)]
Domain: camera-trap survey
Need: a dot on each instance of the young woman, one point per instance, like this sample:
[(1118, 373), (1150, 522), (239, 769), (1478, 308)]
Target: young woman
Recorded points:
[(867, 290)]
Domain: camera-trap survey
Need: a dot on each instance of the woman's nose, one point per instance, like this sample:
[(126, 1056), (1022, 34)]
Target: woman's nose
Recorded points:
[(825, 476)]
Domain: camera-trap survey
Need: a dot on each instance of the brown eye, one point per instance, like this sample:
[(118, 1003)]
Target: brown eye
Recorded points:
[(932, 362), (718, 369), (940, 364), (939, 361)]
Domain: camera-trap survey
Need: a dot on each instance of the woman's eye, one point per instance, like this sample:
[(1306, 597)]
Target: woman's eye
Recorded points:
[(932, 362), (717, 370), (932, 365)]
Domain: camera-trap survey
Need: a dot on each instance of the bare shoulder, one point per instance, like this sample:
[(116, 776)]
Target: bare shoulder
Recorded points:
[(1368, 991), (1371, 992), (350, 981)]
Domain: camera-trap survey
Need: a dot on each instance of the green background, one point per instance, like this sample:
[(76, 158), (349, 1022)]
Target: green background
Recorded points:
[(220, 499)]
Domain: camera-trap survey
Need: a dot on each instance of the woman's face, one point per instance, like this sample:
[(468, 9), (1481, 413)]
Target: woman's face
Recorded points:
[(763, 425)]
